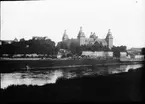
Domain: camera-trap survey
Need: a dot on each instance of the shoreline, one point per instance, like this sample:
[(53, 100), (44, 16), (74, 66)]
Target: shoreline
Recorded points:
[(18, 65)]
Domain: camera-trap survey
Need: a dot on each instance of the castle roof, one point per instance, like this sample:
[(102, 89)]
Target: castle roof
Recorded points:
[(102, 41), (93, 35), (90, 40)]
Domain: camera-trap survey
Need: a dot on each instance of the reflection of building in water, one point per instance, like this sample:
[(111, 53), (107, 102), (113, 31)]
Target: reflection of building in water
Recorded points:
[(133, 67), (122, 68), (82, 40), (116, 69)]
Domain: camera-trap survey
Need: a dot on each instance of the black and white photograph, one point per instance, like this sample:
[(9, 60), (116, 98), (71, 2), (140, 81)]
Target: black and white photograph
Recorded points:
[(70, 51)]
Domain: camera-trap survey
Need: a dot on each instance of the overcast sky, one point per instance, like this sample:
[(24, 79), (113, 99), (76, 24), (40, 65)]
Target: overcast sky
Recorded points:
[(125, 18)]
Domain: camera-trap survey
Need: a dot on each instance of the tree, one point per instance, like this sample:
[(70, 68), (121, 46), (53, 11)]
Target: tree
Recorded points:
[(117, 49), (41, 46), (62, 45), (72, 48), (22, 40), (143, 51)]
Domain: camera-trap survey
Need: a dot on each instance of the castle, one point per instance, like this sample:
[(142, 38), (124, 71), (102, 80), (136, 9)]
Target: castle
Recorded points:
[(82, 40)]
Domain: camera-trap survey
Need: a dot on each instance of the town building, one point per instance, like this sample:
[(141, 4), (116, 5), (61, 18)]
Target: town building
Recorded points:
[(134, 51), (83, 40), (97, 54), (135, 55), (123, 54), (39, 38), (8, 41)]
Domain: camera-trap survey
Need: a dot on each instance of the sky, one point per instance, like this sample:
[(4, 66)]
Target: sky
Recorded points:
[(125, 18)]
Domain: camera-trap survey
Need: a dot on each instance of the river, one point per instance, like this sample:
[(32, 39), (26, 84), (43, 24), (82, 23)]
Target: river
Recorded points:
[(42, 77)]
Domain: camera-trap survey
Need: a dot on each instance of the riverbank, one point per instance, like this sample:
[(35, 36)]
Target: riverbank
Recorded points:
[(115, 87), (46, 64)]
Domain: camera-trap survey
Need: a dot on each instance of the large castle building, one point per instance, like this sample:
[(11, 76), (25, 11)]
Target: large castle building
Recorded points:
[(82, 40)]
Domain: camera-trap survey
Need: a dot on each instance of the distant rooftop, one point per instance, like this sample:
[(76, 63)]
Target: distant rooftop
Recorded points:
[(135, 49)]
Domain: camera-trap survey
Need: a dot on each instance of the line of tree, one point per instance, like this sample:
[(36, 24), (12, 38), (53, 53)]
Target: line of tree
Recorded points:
[(42, 46), (47, 46), (117, 49), (76, 49)]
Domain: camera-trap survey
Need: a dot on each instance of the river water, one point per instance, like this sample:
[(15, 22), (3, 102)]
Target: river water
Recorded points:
[(42, 77)]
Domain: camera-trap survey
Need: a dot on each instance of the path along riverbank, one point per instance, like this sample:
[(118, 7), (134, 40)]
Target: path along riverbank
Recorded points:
[(46, 64)]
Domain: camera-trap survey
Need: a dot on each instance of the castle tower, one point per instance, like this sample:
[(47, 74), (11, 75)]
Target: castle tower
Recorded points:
[(65, 36), (81, 37), (93, 35), (109, 39)]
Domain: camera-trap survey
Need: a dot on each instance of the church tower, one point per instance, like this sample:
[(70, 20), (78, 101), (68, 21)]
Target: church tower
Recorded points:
[(81, 37), (65, 36), (109, 39)]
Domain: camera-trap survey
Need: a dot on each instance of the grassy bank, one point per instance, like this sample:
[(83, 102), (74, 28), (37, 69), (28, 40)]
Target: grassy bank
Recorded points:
[(15, 65), (117, 87)]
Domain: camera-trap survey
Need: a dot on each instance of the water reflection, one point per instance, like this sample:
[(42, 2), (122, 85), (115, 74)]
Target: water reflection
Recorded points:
[(50, 76), (29, 78)]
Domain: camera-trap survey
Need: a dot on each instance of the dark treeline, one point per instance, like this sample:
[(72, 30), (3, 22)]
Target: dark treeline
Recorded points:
[(76, 49), (47, 46), (43, 46), (117, 49)]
